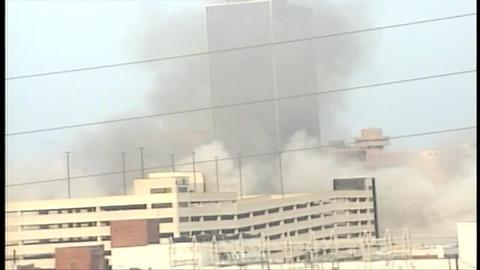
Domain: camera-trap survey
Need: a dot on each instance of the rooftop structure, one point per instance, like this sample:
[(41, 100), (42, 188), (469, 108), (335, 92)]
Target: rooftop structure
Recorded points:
[(180, 207), (370, 149), (372, 138), (364, 252)]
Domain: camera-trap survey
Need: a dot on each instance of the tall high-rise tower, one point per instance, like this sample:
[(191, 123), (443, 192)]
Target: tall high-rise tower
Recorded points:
[(263, 72)]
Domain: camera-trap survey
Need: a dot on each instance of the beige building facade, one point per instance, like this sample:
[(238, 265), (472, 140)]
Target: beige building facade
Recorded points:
[(179, 204)]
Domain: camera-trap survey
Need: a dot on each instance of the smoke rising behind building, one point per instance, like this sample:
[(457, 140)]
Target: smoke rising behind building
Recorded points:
[(188, 84)]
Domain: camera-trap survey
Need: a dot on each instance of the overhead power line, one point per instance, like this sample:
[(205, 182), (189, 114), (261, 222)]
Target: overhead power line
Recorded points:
[(347, 89), (236, 157), (317, 37)]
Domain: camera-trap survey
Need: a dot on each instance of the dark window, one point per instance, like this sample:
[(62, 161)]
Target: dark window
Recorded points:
[(183, 204), (182, 189), (105, 238), (227, 217), (302, 218), (165, 235), (302, 231), (123, 207), (165, 220), (259, 226), (244, 229), (273, 224), (161, 205), (160, 190), (258, 213), (362, 199), (292, 233), (300, 206), (317, 228), (181, 181), (196, 219), (315, 216), (245, 215), (210, 218), (290, 220), (288, 208), (276, 236), (273, 210), (227, 231), (184, 219), (38, 256), (349, 184)]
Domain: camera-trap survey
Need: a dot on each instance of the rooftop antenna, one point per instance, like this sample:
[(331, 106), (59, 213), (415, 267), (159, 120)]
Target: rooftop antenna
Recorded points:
[(280, 167), (124, 174), (68, 173), (194, 173), (216, 173), (240, 173), (141, 162), (194, 251), (214, 250), (172, 159)]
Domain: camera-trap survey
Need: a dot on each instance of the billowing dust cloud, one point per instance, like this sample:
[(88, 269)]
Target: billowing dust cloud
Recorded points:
[(408, 196)]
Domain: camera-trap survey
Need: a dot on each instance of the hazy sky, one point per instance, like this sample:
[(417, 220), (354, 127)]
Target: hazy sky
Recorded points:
[(47, 36)]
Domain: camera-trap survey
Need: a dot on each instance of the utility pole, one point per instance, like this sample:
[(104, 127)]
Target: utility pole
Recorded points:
[(194, 173), (68, 173), (240, 173), (124, 174), (280, 168), (141, 162), (172, 158), (216, 173)]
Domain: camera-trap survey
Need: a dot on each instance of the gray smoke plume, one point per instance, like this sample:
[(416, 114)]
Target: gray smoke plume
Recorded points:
[(232, 77), (262, 73), (427, 195)]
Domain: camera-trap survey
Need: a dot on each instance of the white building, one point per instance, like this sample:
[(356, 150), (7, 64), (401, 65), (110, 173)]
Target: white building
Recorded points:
[(467, 244), (181, 206), (258, 253)]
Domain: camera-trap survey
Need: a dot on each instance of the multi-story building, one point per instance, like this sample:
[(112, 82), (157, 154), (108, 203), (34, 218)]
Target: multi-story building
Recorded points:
[(263, 72), (369, 148), (180, 206)]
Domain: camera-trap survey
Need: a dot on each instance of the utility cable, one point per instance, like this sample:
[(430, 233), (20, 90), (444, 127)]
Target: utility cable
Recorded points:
[(237, 48), (236, 157), (347, 89)]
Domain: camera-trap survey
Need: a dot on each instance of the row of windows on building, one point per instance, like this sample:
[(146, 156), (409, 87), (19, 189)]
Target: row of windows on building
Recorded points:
[(180, 205), (40, 256), (273, 224), (259, 213), (199, 218), (224, 231)]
